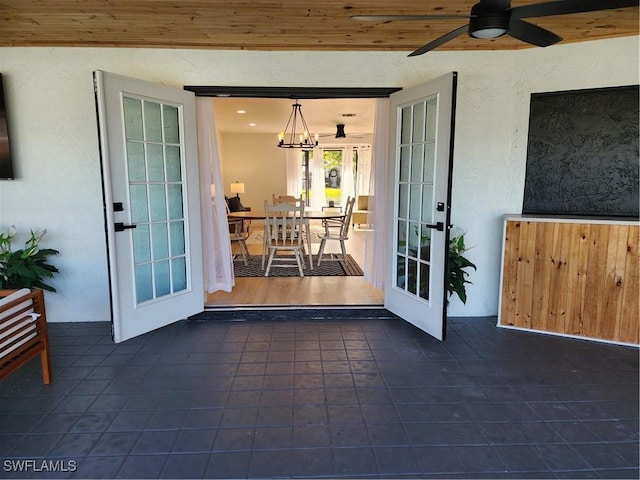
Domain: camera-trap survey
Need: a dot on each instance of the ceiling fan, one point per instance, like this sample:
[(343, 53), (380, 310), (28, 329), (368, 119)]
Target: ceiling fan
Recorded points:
[(340, 133), (494, 18)]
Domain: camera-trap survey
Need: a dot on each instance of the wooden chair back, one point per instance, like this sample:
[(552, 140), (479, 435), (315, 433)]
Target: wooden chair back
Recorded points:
[(284, 224), (23, 331)]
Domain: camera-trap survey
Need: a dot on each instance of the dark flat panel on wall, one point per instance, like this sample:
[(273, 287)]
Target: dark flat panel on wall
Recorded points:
[(582, 156)]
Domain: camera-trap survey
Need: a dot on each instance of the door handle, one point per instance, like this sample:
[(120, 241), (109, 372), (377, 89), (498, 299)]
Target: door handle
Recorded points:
[(439, 226), (121, 227)]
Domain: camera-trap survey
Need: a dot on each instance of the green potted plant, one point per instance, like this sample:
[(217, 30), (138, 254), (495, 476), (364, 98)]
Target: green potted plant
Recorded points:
[(457, 263), (457, 276), (27, 267)]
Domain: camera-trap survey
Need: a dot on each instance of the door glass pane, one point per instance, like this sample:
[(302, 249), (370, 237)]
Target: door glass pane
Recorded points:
[(133, 119), (405, 128), (136, 162), (427, 203), (414, 201), (155, 160), (160, 240), (158, 202), (171, 124), (175, 201), (405, 163), (162, 278), (401, 279), (152, 122), (403, 201), (412, 276), (424, 281), (429, 162), (432, 112), (144, 283), (156, 196), (402, 237), (141, 244), (138, 202), (174, 171), (418, 123), (179, 274), (176, 231), (414, 238), (425, 244), (417, 154)]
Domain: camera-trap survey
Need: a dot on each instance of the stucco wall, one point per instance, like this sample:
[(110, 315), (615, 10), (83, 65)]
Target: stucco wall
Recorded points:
[(55, 144), (258, 163)]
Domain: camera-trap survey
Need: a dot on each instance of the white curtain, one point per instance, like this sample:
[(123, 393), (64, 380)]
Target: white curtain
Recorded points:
[(374, 255), (347, 182), (318, 198), (363, 175), (294, 172), (218, 263)]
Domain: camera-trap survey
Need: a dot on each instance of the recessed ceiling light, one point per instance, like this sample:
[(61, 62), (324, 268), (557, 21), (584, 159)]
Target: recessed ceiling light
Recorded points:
[(252, 124), (241, 111)]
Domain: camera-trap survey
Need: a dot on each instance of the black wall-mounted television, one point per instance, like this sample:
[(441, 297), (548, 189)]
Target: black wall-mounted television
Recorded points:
[(6, 164)]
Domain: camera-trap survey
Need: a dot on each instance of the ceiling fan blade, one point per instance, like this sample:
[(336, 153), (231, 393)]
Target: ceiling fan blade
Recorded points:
[(440, 41), (394, 18), (564, 7), (527, 32)]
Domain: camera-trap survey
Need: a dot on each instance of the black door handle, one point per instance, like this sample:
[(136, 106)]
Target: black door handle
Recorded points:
[(121, 227), (438, 226)]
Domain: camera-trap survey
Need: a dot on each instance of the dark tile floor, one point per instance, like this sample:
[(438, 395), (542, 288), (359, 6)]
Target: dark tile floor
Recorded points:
[(350, 393)]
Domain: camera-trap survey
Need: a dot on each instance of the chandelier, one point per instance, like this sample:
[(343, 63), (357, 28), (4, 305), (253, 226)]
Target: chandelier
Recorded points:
[(296, 135)]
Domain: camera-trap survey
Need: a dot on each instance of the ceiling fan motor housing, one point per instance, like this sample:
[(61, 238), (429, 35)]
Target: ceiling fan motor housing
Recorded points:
[(487, 23)]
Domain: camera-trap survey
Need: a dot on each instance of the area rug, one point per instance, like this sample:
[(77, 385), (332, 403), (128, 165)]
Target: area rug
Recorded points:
[(329, 268)]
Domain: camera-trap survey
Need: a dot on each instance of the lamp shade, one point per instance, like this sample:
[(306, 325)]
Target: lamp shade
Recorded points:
[(237, 187)]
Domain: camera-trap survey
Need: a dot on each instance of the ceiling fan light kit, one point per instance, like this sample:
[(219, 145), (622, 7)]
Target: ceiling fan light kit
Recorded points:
[(487, 24), (495, 18)]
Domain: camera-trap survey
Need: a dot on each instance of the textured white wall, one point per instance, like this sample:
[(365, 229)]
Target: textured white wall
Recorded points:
[(257, 162), (54, 136)]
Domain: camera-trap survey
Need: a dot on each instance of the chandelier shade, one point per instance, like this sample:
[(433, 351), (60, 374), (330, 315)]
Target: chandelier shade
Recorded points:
[(296, 133)]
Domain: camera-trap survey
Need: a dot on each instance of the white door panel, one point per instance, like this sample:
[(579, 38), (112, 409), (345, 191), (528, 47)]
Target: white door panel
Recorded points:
[(421, 122), (152, 212)]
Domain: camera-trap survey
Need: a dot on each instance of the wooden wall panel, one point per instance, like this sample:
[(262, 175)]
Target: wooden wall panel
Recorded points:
[(571, 278)]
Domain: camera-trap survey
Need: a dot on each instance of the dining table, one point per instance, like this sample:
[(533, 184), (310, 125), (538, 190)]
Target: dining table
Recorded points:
[(307, 215)]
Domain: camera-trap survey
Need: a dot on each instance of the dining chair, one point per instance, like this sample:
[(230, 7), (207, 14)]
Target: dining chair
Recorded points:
[(285, 199), (338, 231), (283, 235), (290, 199), (237, 233)]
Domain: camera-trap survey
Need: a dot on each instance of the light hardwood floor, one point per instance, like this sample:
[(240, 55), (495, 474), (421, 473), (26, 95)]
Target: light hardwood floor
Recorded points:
[(302, 291)]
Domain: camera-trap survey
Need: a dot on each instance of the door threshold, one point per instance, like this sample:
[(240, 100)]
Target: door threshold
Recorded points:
[(235, 308), (288, 312)]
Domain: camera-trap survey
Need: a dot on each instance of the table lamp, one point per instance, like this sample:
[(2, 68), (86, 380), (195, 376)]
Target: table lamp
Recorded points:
[(237, 188)]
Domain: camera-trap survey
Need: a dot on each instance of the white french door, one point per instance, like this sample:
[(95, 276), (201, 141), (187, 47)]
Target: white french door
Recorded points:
[(421, 129), (149, 163)]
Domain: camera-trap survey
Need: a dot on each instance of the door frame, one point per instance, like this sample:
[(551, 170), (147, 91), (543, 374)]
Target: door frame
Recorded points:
[(290, 93)]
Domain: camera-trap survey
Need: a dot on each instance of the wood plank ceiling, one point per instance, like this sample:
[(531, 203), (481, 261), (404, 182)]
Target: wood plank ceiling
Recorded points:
[(271, 24)]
